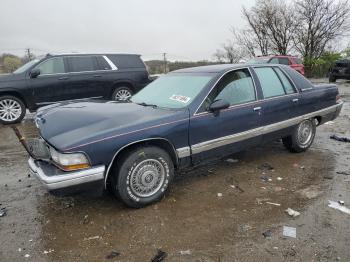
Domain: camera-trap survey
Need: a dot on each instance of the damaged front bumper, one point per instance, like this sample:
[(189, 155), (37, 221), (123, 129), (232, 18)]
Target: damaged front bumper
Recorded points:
[(54, 178)]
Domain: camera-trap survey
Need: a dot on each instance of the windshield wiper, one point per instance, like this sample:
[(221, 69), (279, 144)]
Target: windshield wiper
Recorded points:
[(145, 104)]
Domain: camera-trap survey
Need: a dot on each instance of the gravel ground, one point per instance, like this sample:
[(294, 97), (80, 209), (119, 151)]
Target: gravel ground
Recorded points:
[(214, 213)]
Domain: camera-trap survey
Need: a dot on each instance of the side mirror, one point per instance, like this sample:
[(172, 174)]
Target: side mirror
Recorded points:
[(34, 73), (218, 105)]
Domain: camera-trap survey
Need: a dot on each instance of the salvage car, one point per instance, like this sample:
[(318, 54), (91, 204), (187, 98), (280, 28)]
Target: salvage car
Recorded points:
[(341, 70), (183, 119), (292, 61), (55, 78)]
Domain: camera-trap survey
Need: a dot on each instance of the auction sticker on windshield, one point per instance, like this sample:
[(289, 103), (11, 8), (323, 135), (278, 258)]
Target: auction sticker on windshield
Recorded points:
[(180, 98)]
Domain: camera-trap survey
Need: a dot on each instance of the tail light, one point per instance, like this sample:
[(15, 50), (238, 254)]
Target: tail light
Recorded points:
[(337, 98)]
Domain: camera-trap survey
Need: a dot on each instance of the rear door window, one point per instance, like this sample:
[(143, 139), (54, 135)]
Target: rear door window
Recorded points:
[(81, 63), (285, 81), (53, 65), (270, 82)]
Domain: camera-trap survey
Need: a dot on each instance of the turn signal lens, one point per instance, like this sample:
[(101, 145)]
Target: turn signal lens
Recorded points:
[(74, 167)]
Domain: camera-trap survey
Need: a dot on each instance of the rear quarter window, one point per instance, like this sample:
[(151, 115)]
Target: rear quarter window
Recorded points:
[(126, 61)]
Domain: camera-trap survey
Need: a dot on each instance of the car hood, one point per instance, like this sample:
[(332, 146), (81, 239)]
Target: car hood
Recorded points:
[(10, 77), (67, 126)]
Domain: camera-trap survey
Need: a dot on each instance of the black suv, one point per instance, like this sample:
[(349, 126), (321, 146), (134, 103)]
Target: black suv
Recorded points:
[(341, 70), (57, 78)]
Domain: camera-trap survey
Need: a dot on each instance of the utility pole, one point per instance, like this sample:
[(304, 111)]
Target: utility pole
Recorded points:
[(29, 54), (165, 63)]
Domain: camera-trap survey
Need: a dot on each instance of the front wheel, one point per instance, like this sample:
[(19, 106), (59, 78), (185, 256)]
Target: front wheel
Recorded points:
[(302, 137), (143, 176), (12, 110)]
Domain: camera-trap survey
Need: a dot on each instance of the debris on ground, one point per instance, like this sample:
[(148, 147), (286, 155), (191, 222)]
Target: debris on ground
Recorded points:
[(26, 255), (219, 194), (267, 234), (48, 251), (244, 228), (113, 254), (160, 256), (92, 238), (265, 167), (292, 212), (340, 138), (278, 189), (185, 252), (341, 202), (338, 206), (289, 231), (67, 203), (274, 204), (330, 123), (231, 160), (266, 178), (237, 187), (279, 178), (86, 219), (328, 177), (343, 173), (3, 211)]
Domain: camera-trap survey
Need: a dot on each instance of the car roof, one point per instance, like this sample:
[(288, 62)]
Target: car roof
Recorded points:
[(91, 54), (219, 68)]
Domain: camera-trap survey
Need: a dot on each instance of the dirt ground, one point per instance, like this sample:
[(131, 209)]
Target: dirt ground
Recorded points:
[(215, 213)]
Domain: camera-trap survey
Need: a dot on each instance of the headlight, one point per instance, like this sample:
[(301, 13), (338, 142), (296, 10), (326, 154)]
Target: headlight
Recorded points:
[(70, 161)]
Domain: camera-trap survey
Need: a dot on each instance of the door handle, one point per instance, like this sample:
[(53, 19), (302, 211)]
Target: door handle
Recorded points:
[(257, 108), (295, 100), (96, 76), (63, 78)]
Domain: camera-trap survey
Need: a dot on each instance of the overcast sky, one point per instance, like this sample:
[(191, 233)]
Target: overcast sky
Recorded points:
[(185, 29)]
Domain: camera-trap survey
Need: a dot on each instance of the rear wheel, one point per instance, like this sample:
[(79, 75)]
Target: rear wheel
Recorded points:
[(122, 93), (12, 110), (302, 136), (143, 176)]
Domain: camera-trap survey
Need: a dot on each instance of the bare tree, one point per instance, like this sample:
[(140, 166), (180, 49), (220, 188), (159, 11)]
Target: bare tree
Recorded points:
[(230, 52), (274, 25), (245, 38), (321, 22), (258, 29)]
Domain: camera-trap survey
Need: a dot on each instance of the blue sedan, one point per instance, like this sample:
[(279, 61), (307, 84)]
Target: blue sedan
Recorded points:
[(185, 118)]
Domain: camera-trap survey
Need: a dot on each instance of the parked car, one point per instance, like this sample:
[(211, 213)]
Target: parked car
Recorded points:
[(341, 70), (292, 61), (181, 120), (69, 77)]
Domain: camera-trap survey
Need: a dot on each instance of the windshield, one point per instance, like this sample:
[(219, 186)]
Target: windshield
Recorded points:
[(261, 60), (24, 67), (172, 90)]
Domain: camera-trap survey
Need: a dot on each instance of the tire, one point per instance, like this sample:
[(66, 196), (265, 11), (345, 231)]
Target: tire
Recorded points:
[(122, 93), (302, 137), (332, 79), (143, 176), (12, 110)]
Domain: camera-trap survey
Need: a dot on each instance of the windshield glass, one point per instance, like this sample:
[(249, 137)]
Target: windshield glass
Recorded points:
[(172, 91), (24, 67), (261, 60)]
